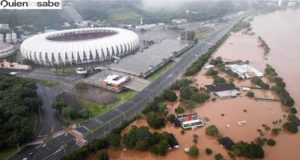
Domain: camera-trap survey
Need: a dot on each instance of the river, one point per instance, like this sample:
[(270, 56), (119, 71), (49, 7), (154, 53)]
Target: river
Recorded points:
[(281, 31)]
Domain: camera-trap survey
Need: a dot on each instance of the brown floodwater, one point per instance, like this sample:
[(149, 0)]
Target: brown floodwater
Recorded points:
[(281, 32)]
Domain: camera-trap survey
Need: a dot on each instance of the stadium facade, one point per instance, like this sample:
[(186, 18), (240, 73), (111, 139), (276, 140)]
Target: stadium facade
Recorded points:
[(78, 46)]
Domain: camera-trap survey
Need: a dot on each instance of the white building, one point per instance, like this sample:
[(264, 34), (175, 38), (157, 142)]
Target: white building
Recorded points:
[(245, 71), (222, 90), (77, 46), (115, 81), (190, 120)]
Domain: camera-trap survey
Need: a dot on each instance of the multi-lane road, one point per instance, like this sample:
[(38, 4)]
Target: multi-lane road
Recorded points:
[(100, 125)]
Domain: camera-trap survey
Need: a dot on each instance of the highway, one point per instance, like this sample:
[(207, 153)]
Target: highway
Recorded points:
[(100, 125)]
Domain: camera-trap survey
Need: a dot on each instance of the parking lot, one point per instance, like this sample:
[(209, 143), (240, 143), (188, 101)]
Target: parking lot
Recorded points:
[(147, 61)]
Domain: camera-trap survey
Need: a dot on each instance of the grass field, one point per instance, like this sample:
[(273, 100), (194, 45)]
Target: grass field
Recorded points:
[(45, 82), (97, 109), (159, 72), (81, 87)]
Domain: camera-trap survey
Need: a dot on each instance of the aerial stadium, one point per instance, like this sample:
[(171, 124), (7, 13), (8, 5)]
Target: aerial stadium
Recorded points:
[(78, 46)]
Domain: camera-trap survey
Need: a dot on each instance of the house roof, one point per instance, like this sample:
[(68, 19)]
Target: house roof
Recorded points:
[(226, 142), (173, 141), (220, 87)]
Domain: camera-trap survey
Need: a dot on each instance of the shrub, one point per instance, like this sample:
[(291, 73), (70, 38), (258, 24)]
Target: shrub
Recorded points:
[(189, 104), (171, 118), (179, 110), (194, 151), (212, 130), (293, 110), (260, 83), (218, 79), (271, 142), (291, 127), (219, 156), (102, 155), (208, 151), (275, 131), (211, 72)]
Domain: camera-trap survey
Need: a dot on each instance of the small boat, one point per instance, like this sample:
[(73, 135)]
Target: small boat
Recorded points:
[(186, 149)]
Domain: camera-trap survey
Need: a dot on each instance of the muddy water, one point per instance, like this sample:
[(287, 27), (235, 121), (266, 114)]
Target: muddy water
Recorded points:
[(281, 31)]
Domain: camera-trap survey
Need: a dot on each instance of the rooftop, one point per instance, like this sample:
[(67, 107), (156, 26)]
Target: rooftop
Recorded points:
[(220, 87), (226, 142)]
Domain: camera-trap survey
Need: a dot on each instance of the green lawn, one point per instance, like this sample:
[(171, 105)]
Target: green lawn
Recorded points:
[(98, 109), (45, 82), (81, 87), (122, 15), (7, 153), (64, 70), (159, 72)]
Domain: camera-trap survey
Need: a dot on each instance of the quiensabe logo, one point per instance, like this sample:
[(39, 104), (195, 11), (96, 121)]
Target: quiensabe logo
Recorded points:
[(30, 4)]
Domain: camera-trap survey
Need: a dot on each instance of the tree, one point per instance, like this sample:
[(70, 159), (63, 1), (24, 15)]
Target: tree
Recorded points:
[(187, 92), (271, 142), (58, 105), (135, 134), (155, 120), (212, 130), (163, 147), (102, 155), (247, 150), (171, 118), (142, 145), (179, 110), (208, 151), (200, 97), (219, 156), (114, 139), (189, 104), (218, 79), (169, 95), (211, 72), (291, 127), (67, 112), (194, 151), (19, 101)]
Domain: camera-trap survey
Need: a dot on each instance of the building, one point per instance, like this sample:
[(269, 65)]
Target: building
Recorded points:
[(190, 120), (7, 65), (77, 46), (222, 90), (173, 143), (115, 81), (226, 142), (245, 71)]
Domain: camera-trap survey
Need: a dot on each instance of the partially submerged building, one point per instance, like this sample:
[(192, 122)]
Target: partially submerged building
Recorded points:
[(173, 143), (245, 71), (222, 90), (190, 120), (226, 142)]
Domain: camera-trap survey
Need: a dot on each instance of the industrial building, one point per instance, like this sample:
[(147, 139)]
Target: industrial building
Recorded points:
[(222, 90), (245, 71)]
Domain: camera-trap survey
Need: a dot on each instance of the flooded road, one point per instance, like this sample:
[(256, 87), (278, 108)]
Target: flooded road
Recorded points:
[(281, 31)]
